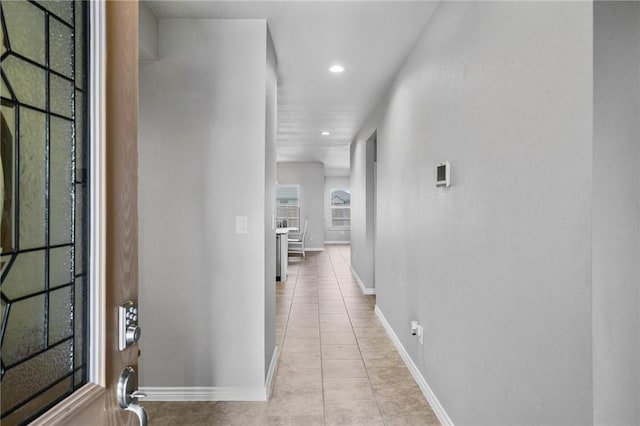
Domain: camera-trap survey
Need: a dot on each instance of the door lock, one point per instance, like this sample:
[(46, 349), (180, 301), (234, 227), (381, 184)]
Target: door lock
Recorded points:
[(128, 329), (132, 334)]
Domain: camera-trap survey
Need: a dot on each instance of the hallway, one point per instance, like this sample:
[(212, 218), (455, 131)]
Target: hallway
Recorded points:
[(337, 366)]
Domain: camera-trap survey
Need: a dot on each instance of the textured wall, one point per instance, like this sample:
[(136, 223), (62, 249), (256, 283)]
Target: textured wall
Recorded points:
[(616, 213), (362, 248), (498, 266), (148, 34), (270, 203), (202, 163)]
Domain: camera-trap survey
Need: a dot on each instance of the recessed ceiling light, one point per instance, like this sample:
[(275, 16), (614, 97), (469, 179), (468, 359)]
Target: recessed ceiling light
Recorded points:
[(325, 133), (336, 68)]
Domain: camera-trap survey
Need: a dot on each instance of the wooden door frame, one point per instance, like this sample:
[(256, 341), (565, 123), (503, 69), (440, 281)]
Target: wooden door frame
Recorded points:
[(113, 70)]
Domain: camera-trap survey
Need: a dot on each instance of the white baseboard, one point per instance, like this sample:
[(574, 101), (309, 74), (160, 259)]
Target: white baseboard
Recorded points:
[(337, 242), (365, 290), (213, 393), (314, 249), (216, 393), (273, 367), (438, 409)]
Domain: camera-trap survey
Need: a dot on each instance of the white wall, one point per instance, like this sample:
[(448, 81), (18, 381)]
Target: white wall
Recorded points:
[(206, 152), (310, 177), (148, 34), (616, 213), (271, 110), (332, 234), (498, 266)]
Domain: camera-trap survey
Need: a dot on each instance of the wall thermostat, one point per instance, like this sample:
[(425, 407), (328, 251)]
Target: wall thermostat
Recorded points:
[(443, 174)]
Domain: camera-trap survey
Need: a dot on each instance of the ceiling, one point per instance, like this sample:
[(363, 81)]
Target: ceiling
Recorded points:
[(371, 39)]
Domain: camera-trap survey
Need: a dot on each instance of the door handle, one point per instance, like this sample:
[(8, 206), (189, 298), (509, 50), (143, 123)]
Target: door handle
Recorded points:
[(138, 394), (142, 415), (128, 394)]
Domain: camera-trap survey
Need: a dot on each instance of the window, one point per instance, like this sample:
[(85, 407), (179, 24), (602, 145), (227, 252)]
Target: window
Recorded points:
[(340, 208), (43, 253), (288, 206)]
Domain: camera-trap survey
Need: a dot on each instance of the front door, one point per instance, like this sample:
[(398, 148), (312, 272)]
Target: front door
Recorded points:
[(69, 208), (121, 189)]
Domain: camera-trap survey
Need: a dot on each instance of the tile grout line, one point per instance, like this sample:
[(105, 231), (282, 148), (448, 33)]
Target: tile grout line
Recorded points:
[(286, 327), (324, 408), (293, 295), (357, 342), (302, 266)]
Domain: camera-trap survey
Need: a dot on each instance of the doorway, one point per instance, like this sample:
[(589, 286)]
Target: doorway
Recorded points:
[(371, 200)]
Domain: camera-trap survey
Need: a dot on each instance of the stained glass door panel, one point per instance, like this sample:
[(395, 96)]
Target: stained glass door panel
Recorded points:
[(43, 222)]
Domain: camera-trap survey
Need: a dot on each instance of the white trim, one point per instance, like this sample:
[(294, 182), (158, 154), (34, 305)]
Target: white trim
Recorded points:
[(64, 412), (314, 249), (337, 242), (215, 393), (97, 232), (438, 409), (212, 393), (273, 367), (365, 290)]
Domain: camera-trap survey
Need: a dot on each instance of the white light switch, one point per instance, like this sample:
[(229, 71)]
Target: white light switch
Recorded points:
[(242, 223)]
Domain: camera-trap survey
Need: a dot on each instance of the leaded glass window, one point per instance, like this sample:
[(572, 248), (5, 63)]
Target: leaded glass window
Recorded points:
[(43, 183)]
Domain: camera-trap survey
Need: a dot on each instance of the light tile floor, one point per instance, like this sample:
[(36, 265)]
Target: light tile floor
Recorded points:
[(337, 364)]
